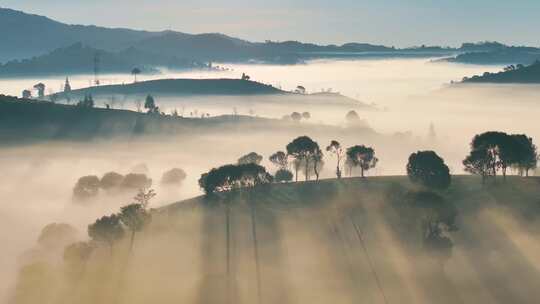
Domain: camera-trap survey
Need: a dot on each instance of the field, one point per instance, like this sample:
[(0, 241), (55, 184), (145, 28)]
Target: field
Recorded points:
[(332, 241)]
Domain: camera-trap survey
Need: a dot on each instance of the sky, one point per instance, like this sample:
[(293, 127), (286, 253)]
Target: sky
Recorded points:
[(390, 22)]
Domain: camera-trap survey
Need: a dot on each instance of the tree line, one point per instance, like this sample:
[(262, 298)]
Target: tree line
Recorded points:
[(491, 152), (303, 155)]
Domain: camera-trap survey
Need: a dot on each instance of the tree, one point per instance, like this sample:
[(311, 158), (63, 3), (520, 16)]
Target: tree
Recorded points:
[(335, 148), (250, 158), (86, 187), (280, 160), (143, 197), (295, 116), (40, 87), (525, 152), (135, 72), (363, 157), (111, 180), (318, 162), (245, 77), (150, 105), (428, 169), (136, 181), (303, 149), (107, 229), (134, 217), (283, 175), (479, 162), (173, 176), (300, 90), (352, 117), (495, 145), (26, 94), (306, 115)]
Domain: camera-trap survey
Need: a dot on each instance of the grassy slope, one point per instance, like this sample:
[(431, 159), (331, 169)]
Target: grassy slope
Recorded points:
[(181, 87), (342, 241)]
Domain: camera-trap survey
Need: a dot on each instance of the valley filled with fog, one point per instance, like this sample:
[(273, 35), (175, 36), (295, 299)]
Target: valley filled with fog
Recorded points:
[(405, 97)]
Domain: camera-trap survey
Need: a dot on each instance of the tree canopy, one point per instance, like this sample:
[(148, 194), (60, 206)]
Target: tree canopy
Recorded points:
[(362, 157), (428, 168), (250, 158), (304, 150), (228, 177)]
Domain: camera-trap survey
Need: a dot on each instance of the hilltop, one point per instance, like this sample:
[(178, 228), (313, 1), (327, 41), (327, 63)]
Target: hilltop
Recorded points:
[(27, 120), (511, 74), (180, 87), (338, 233)]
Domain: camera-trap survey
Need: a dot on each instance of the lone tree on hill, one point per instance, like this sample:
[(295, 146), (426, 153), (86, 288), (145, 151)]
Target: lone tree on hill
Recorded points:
[(135, 72), (428, 169), (150, 105), (363, 157), (335, 148), (107, 229), (250, 158), (304, 150)]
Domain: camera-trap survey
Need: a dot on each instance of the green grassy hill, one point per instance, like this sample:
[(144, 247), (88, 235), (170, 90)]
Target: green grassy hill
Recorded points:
[(351, 240), (334, 241)]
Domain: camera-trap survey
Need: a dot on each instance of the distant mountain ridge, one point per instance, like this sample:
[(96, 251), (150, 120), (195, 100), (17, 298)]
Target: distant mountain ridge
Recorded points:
[(26, 35)]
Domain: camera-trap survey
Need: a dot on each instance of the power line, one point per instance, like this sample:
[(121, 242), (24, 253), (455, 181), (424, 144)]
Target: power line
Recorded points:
[(359, 234)]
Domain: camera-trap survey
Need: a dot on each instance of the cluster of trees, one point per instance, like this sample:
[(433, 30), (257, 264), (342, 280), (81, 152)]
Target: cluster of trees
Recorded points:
[(132, 218), (493, 152), (89, 186), (297, 116), (234, 176), (86, 102), (303, 155)]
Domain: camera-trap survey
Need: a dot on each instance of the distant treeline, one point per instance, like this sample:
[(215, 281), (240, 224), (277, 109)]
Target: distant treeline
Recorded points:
[(511, 74)]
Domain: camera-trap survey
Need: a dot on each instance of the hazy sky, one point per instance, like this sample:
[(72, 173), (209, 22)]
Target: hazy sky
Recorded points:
[(390, 22)]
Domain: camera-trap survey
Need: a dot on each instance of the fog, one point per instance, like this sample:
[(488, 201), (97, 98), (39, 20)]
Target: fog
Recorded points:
[(408, 95)]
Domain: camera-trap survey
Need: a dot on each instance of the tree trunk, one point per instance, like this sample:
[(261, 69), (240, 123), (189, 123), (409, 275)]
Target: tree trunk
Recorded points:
[(132, 240), (362, 171), (307, 168)]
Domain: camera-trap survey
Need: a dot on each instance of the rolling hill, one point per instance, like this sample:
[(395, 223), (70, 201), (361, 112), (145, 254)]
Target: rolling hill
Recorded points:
[(513, 74), (333, 241)]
